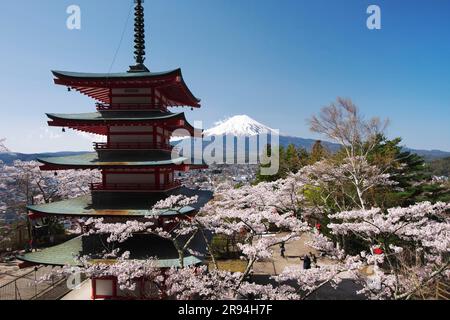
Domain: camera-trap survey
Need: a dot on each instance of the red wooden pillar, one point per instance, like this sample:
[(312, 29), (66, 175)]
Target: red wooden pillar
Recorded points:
[(93, 289), (104, 178), (153, 102), (108, 133), (110, 97), (114, 289), (154, 134)]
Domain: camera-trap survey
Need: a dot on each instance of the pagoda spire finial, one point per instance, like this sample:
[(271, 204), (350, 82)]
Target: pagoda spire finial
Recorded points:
[(139, 38)]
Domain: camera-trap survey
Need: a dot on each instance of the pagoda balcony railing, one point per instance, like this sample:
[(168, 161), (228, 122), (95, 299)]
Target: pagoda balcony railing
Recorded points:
[(128, 106), (136, 187), (133, 146)]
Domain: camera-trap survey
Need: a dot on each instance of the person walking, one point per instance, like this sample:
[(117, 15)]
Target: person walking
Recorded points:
[(306, 262), (282, 250)]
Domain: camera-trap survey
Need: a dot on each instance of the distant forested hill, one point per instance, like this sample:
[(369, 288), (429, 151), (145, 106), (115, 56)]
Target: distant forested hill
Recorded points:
[(440, 167), (9, 157), (429, 155)]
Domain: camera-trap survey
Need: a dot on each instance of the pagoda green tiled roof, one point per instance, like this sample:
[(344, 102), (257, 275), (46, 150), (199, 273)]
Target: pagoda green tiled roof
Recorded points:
[(68, 252), (117, 116), (172, 84), (125, 207), (82, 206), (115, 75), (147, 158), (60, 255)]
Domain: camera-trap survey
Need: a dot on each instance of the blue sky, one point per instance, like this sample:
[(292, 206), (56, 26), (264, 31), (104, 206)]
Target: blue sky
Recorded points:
[(276, 61)]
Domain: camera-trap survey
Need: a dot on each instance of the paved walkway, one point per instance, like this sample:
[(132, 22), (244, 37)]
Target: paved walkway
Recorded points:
[(346, 290), (294, 251)]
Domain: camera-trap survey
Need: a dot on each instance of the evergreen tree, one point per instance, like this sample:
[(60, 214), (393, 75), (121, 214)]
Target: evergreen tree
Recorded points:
[(408, 170), (439, 167), (282, 166), (292, 159), (303, 156), (318, 152)]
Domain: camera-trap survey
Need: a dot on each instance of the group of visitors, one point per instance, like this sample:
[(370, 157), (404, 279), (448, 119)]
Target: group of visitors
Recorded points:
[(309, 260)]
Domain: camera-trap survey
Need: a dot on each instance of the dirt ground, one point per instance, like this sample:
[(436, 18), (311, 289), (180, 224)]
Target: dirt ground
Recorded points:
[(9, 271), (294, 251)]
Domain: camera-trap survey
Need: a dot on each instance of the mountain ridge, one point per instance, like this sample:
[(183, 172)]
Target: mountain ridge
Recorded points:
[(243, 125), (9, 157), (237, 126)]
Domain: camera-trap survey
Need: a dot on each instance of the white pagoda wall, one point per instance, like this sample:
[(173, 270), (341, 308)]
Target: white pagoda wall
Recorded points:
[(104, 288)]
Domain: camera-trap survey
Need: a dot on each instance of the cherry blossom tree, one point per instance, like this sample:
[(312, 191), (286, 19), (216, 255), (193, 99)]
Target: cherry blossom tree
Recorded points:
[(406, 247), (23, 183), (180, 230), (402, 251), (5, 230), (339, 186), (37, 186), (246, 217), (342, 122), (253, 223), (3, 148)]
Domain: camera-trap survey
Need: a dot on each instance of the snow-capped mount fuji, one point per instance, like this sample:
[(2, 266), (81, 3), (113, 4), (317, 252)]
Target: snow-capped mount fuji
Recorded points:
[(243, 126), (238, 126)]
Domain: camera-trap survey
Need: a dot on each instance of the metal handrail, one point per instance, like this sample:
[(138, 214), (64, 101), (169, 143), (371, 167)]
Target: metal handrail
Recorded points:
[(30, 290), (20, 277), (442, 291)]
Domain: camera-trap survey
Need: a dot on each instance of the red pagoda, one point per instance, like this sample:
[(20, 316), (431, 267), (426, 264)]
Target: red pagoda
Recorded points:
[(136, 162)]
